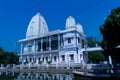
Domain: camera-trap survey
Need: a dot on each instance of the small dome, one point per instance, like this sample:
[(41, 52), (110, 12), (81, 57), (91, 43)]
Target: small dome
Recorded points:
[(79, 28), (70, 22), (37, 26)]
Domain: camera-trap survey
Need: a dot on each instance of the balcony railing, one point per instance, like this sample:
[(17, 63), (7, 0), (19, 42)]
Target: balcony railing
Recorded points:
[(39, 52)]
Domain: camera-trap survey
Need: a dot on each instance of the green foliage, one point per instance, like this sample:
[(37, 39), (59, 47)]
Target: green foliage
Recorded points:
[(1, 50), (3, 76), (40, 62), (91, 42), (19, 63), (8, 57), (110, 31), (25, 63), (49, 62), (95, 57)]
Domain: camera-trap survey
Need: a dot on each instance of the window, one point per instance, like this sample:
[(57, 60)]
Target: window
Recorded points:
[(82, 43), (26, 60), (69, 40), (71, 57), (78, 40), (54, 42), (80, 56), (39, 46), (34, 60), (43, 59), (54, 58), (39, 59), (63, 57), (29, 48), (46, 59), (30, 59)]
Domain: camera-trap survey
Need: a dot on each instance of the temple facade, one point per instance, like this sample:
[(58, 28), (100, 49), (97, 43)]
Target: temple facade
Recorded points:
[(59, 47)]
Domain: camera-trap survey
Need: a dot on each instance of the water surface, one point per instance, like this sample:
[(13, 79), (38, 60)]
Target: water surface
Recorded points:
[(43, 76)]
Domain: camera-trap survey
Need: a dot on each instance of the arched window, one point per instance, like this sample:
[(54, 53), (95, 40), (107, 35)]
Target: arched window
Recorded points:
[(46, 59), (29, 47), (54, 58), (69, 40), (72, 57), (63, 57), (39, 59), (30, 59)]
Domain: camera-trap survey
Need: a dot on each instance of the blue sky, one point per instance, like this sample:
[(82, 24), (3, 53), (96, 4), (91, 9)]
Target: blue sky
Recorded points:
[(16, 14)]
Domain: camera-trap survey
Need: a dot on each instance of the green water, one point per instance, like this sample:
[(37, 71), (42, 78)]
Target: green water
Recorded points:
[(42, 76)]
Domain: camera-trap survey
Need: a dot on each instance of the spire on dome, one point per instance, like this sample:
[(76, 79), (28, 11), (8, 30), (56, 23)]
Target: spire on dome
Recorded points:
[(70, 22), (37, 26), (79, 28)]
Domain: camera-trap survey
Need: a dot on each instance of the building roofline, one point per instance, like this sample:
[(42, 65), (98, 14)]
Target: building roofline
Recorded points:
[(50, 33)]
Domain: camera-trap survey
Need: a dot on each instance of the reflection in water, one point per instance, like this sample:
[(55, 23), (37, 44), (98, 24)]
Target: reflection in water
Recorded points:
[(34, 76), (8, 75), (44, 76), (41, 76)]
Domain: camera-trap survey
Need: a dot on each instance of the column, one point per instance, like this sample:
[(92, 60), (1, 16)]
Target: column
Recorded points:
[(61, 40), (37, 60), (28, 59), (41, 44), (60, 59), (41, 57), (50, 57), (49, 43), (34, 46), (45, 59), (22, 59), (58, 41), (67, 59), (76, 40), (34, 59), (21, 51), (57, 57)]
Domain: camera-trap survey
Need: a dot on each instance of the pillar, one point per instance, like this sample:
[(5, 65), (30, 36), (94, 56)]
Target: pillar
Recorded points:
[(49, 43), (58, 41), (28, 59), (21, 51), (57, 57), (61, 41), (41, 44), (81, 58), (34, 59), (41, 58), (110, 63), (34, 46), (60, 58), (37, 60), (49, 57)]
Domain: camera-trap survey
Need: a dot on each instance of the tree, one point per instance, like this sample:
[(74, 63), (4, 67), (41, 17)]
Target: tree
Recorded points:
[(8, 57), (96, 56), (1, 55), (110, 31), (91, 42), (1, 50)]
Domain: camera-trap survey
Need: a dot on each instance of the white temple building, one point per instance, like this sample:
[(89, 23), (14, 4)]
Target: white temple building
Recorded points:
[(56, 47)]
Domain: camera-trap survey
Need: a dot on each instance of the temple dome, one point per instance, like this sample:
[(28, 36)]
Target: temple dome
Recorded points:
[(37, 26), (70, 22), (79, 28)]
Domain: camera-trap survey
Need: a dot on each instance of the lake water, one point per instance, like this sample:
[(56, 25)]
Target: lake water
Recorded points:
[(42, 76)]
